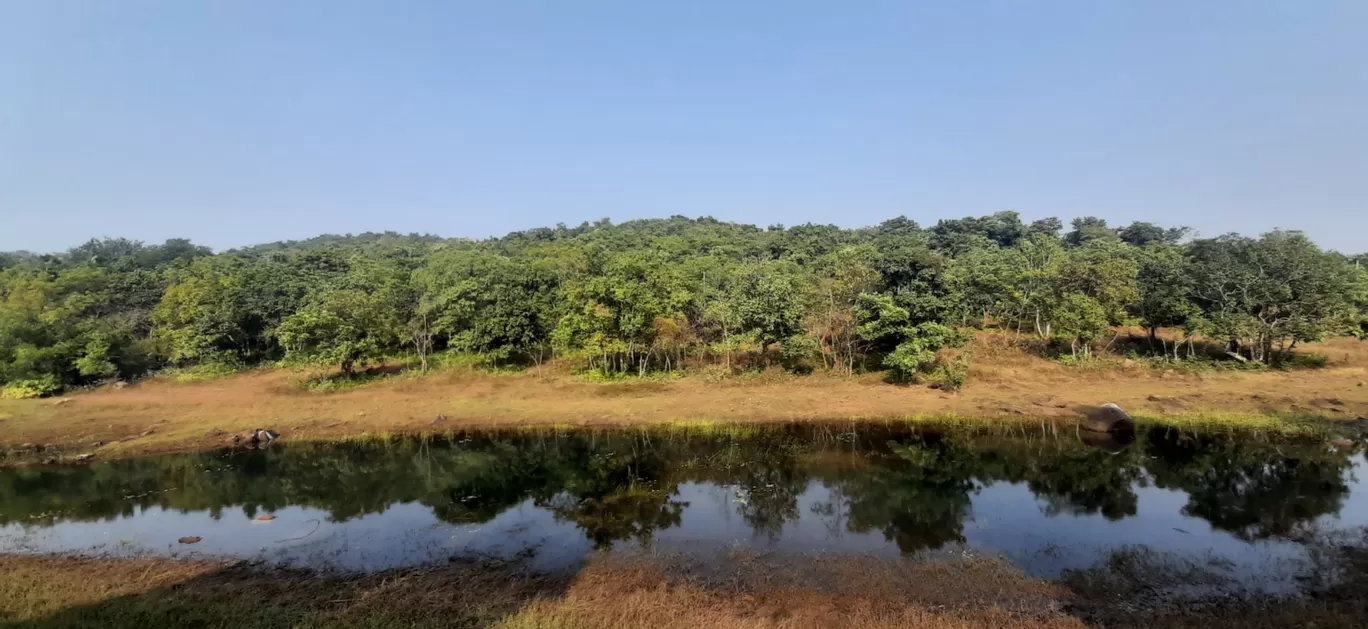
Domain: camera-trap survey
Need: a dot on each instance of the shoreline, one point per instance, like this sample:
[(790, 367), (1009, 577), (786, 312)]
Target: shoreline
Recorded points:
[(1007, 387), (740, 589)]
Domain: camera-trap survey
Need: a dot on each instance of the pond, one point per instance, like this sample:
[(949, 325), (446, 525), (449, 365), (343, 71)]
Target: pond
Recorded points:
[(1043, 499)]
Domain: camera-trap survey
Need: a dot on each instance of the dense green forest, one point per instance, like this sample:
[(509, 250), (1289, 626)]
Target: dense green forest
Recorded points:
[(671, 294)]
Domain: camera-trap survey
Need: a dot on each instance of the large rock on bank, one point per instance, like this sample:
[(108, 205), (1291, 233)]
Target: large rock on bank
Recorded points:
[(1107, 418)]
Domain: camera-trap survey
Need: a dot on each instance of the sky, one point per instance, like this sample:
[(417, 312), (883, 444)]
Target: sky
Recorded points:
[(244, 121)]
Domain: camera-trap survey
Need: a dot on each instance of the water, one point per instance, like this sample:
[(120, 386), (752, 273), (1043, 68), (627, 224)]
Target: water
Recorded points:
[(1045, 500)]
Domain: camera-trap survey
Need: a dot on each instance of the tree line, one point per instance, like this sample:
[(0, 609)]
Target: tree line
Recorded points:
[(670, 294)]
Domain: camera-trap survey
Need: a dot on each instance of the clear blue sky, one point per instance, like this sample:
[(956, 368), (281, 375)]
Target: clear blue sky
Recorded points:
[(237, 122)]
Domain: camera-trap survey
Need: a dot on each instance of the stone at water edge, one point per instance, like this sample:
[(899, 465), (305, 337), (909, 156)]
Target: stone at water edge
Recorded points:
[(264, 518), (189, 539), (1108, 418), (264, 435)]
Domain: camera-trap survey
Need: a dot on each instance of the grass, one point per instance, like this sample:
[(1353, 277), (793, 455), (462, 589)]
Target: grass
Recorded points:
[(739, 591), (729, 590), (1006, 385)]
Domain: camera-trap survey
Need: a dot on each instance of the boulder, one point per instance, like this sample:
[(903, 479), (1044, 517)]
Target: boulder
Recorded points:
[(1108, 418)]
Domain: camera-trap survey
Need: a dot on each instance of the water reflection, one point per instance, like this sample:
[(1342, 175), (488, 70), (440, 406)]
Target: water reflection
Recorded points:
[(912, 488)]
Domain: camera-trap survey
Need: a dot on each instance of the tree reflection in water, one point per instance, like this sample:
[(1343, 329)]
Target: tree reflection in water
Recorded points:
[(915, 485)]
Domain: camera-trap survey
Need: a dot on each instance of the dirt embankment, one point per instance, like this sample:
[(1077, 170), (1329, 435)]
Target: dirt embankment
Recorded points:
[(1005, 383)]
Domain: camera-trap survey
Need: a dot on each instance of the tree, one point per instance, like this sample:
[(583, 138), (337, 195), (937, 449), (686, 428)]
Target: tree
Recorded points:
[(1080, 320), (485, 303), (345, 327), (1165, 283), (769, 301), (842, 277), (611, 306), (1046, 226), (1140, 234), (1087, 229), (203, 319), (1265, 295), (908, 349)]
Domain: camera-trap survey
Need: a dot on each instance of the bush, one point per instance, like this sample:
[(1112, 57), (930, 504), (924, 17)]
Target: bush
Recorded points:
[(1304, 361), (1070, 360), (196, 373), (796, 353), (25, 389), (951, 375)]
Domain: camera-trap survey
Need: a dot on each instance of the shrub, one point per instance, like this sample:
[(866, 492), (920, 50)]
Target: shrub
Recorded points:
[(25, 389), (796, 353), (206, 371), (951, 375), (1304, 361), (1070, 360)]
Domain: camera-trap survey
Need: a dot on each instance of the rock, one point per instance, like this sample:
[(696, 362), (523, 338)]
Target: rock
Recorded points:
[(52, 460), (147, 432), (1360, 383), (440, 418), (120, 384), (26, 446), (85, 458), (1168, 373), (189, 539), (1342, 443), (1108, 418), (262, 436), (1237, 357), (264, 518)]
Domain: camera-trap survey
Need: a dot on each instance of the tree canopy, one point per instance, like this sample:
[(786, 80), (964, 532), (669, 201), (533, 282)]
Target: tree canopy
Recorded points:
[(666, 294)]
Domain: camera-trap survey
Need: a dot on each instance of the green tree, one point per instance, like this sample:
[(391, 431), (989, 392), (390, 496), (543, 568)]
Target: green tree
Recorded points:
[(1265, 295), (345, 327)]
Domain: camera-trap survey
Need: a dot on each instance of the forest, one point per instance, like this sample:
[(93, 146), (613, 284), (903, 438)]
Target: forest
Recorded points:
[(675, 295)]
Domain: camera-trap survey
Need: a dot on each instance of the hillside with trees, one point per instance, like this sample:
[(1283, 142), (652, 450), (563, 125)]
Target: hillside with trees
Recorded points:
[(674, 294)]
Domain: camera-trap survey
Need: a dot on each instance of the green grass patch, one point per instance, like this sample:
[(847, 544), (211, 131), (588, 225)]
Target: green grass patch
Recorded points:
[(200, 373)]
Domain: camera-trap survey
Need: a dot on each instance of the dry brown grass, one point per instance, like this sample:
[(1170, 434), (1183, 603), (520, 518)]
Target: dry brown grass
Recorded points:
[(783, 591), (1005, 382), (741, 590), (775, 591)]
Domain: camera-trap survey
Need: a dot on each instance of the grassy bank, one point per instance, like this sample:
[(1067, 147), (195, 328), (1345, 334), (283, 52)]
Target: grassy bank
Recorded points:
[(740, 590), (1006, 385)]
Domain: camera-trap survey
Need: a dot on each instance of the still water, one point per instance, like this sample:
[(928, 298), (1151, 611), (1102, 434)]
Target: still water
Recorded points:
[(1045, 500)]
